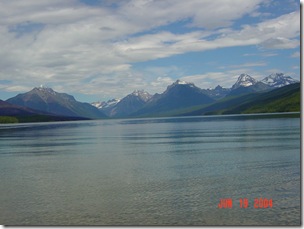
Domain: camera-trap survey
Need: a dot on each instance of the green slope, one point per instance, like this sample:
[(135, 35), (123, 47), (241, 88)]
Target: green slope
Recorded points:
[(288, 104), (37, 118), (285, 99), (8, 119)]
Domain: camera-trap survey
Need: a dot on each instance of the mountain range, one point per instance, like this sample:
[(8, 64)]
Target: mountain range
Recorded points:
[(180, 98)]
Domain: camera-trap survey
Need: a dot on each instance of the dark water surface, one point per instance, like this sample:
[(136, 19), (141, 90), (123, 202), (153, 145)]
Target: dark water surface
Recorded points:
[(165, 171)]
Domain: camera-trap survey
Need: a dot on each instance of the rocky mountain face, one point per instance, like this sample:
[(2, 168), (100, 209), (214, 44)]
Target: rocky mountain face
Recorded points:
[(50, 101), (218, 92), (277, 80), (7, 109), (177, 96), (247, 84), (105, 104), (128, 105), (244, 80)]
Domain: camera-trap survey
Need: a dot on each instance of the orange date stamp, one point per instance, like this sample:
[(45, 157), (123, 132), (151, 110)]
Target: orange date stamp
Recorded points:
[(257, 203)]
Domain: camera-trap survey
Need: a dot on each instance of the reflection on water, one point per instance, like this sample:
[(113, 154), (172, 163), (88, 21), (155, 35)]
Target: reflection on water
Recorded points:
[(165, 171)]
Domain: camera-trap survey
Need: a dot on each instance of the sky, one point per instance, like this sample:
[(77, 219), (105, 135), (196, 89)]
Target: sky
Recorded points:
[(97, 50)]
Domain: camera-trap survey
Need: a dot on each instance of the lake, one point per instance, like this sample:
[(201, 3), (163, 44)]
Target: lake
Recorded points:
[(152, 171)]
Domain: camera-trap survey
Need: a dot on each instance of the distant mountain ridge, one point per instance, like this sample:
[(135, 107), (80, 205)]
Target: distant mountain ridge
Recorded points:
[(247, 84), (278, 80), (128, 105), (50, 101), (178, 95), (218, 92), (105, 104)]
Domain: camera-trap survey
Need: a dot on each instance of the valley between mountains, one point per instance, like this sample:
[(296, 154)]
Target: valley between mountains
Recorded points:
[(275, 93)]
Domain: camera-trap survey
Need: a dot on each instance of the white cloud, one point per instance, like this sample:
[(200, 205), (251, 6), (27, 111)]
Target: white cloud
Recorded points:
[(266, 54), (162, 81), (66, 43), (163, 44), (269, 54), (281, 30), (151, 13), (280, 43), (16, 88), (249, 64)]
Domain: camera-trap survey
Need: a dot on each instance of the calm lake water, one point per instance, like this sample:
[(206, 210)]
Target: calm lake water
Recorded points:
[(164, 171)]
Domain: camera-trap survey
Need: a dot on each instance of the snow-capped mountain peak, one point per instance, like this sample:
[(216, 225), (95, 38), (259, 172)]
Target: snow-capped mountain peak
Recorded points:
[(244, 80), (145, 96), (97, 104), (105, 104), (180, 82), (45, 90), (278, 80)]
